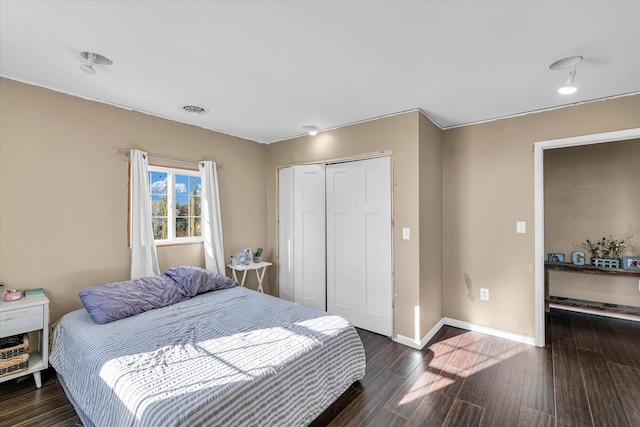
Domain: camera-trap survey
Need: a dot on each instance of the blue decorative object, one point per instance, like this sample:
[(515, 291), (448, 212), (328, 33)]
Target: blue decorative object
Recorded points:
[(577, 258), (555, 257), (606, 262)]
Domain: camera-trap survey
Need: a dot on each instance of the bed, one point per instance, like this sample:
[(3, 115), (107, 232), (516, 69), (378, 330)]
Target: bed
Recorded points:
[(229, 357)]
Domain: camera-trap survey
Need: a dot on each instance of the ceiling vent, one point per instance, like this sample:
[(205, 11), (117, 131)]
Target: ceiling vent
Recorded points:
[(194, 109)]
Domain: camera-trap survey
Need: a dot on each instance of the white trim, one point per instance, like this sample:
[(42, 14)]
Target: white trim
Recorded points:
[(538, 149), (171, 173), (419, 345), (500, 333), (596, 312), (542, 110)]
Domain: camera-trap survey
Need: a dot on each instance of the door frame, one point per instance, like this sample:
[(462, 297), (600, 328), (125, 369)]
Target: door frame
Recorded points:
[(538, 150)]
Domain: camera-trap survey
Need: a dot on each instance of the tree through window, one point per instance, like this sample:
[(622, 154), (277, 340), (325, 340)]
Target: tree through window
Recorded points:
[(176, 206)]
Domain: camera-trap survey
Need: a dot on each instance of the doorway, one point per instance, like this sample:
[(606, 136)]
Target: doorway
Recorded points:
[(539, 148)]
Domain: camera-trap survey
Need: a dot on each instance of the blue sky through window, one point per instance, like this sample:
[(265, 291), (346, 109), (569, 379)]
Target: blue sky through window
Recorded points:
[(158, 184), (184, 185)]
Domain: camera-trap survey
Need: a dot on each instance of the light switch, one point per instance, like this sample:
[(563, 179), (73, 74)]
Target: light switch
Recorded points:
[(521, 227), (406, 233)]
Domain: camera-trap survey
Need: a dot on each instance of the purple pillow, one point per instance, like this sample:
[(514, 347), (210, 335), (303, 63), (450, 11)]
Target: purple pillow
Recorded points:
[(195, 280), (117, 300)]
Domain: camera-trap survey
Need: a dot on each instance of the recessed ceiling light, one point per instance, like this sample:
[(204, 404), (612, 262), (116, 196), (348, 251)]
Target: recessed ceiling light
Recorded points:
[(564, 63), (311, 130), (568, 87), (569, 62), (93, 58), (194, 109)]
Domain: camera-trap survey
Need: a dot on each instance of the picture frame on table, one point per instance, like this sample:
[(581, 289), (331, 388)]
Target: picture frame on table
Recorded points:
[(631, 263), (555, 257)]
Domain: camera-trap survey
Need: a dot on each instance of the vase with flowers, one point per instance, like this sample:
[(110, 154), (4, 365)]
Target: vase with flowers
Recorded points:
[(606, 251)]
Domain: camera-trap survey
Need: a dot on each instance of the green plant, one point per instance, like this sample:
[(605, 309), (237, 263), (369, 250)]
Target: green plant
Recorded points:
[(607, 247)]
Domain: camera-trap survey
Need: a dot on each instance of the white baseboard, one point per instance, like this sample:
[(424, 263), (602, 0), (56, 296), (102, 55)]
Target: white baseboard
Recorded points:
[(490, 331), (420, 344), (526, 339)]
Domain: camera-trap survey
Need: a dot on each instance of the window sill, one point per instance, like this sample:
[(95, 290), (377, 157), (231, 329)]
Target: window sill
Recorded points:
[(174, 243)]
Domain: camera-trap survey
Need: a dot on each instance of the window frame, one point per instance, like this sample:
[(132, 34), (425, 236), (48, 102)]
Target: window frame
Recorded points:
[(171, 172)]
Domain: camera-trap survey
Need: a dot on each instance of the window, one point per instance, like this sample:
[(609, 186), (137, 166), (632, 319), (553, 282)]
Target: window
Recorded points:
[(175, 205)]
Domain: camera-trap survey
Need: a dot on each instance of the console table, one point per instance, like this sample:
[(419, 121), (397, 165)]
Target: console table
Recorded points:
[(590, 305)]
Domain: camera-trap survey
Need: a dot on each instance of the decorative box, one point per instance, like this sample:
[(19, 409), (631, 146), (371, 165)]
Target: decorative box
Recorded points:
[(605, 262)]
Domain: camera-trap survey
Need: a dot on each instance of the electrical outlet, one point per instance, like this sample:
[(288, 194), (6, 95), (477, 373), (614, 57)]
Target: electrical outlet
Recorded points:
[(484, 294)]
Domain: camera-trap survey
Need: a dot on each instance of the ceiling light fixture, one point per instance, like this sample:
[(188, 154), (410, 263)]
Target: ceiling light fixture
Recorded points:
[(564, 63), (568, 87), (93, 58), (311, 130)]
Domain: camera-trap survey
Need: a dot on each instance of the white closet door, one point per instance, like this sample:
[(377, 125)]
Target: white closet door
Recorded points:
[(359, 280), (285, 245), (309, 267)]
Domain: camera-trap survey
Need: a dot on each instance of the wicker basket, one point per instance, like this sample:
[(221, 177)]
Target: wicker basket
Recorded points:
[(15, 358)]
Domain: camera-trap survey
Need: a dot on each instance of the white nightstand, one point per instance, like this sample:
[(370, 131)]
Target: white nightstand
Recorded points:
[(31, 313), (251, 266)]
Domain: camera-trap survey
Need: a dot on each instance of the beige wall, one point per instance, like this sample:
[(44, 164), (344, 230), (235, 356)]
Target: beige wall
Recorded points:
[(592, 192), (430, 225), (59, 179), (63, 192), (400, 135), (488, 186)]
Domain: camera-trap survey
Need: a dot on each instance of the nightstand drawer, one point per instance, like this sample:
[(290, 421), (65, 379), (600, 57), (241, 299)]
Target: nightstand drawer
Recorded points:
[(21, 320)]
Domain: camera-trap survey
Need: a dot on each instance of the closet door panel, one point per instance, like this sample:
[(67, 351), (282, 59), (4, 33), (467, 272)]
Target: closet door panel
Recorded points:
[(342, 249), (285, 243), (309, 237), (359, 264), (375, 209)]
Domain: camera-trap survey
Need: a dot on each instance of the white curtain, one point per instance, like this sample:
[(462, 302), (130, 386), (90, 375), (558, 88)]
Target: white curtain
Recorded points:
[(144, 259), (211, 220)]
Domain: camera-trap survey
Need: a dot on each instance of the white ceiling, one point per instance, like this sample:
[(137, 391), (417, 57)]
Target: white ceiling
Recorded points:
[(265, 69)]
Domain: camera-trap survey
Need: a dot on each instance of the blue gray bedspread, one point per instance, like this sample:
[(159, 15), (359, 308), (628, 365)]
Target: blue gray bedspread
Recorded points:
[(231, 357)]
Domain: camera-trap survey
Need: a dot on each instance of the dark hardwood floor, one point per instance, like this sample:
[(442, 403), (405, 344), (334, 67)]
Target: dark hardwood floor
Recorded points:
[(588, 375)]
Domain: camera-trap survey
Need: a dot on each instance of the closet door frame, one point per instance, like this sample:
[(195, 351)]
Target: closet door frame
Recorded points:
[(280, 249)]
